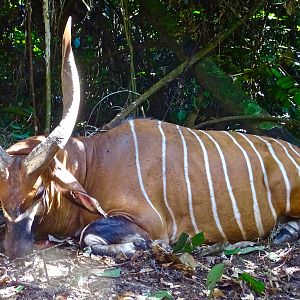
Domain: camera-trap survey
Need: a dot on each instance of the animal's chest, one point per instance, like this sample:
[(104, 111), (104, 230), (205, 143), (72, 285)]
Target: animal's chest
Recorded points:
[(63, 222)]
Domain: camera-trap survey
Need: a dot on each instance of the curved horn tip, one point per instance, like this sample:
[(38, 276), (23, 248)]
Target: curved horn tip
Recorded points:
[(69, 23), (67, 32)]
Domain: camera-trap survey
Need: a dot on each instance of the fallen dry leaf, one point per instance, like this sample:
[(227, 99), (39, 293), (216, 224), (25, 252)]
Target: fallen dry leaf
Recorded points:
[(216, 293), (189, 260)]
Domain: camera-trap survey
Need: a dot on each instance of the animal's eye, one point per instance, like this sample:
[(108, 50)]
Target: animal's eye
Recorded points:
[(40, 192)]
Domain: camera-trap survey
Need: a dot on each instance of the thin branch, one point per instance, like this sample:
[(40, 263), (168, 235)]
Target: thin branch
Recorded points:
[(58, 22), (182, 67), (127, 30), (140, 46), (32, 89), (288, 122), (45, 268), (48, 66), (105, 97)]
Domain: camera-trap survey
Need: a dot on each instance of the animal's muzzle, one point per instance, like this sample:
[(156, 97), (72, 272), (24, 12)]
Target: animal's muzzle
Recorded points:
[(19, 239)]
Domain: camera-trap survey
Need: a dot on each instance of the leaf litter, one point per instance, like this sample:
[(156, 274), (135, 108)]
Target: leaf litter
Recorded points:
[(62, 272)]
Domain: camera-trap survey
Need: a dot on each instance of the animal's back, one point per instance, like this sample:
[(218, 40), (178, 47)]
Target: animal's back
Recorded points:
[(171, 179)]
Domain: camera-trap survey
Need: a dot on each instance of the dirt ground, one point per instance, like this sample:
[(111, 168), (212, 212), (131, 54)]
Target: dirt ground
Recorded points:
[(62, 272)]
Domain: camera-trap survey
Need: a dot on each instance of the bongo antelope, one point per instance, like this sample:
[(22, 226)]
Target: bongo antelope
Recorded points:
[(144, 180)]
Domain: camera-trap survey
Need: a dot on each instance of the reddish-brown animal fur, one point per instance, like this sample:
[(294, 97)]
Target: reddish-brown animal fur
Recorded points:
[(151, 178), (105, 165)]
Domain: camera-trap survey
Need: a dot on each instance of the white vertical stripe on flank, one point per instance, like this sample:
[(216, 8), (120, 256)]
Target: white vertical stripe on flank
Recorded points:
[(235, 208), (187, 180), (210, 185), (256, 209), (138, 168), (289, 156), (293, 150), (164, 178), (266, 180), (283, 172)]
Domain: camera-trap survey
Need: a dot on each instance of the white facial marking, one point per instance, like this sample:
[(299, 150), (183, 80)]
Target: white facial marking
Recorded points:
[(210, 185), (164, 179), (29, 213), (266, 180), (187, 180), (256, 209), (7, 216), (283, 172), (138, 169)]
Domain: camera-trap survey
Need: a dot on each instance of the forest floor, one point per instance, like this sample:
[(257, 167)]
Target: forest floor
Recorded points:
[(62, 272)]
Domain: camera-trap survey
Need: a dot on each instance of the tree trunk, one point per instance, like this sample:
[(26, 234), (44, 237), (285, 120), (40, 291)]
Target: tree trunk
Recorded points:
[(47, 60), (179, 69), (229, 96), (32, 88)]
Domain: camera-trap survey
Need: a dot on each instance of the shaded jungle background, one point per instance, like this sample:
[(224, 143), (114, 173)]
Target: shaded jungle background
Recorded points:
[(122, 48), (198, 63)]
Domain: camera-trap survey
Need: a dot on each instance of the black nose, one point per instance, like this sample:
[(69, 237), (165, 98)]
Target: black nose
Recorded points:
[(18, 248), (18, 240), (18, 251)]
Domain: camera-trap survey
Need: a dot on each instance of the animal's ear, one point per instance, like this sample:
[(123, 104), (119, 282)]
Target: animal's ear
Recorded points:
[(24, 147), (71, 189), (60, 175), (83, 200)]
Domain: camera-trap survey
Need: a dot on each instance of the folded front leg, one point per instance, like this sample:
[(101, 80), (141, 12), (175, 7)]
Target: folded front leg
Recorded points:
[(289, 232), (113, 235)]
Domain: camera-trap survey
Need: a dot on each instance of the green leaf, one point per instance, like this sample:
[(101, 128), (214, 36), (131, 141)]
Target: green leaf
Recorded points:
[(281, 95), (188, 248), (242, 251), (161, 294), (181, 242), (296, 99), (286, 103), (196, 12), (268, 125), (207, 93), (256, 285), (112, 273), (251, 249), (197, 239), (231, 251), (276, 73), (286, 82), (19, 136), (294, 90), (252, 108), (15, 110), (141, 73), (214, 276), (205, 103), (16, 126), (19, 288), (181, 115)]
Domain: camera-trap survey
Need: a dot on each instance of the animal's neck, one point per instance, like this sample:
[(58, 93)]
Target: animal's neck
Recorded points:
[(62, 213), (67, 217)]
